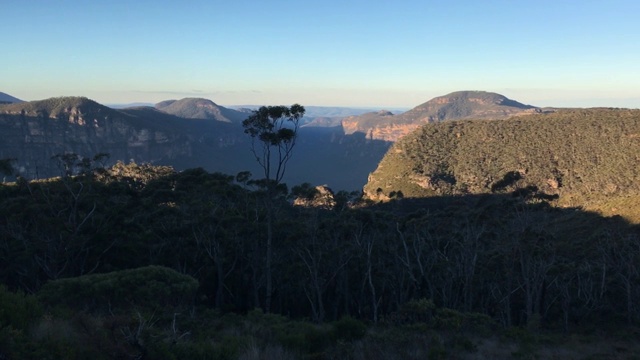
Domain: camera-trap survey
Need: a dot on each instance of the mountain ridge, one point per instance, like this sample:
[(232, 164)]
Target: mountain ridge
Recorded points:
[(8, 99), (71, 108), (578, 157), (453, 106), (200, 108)]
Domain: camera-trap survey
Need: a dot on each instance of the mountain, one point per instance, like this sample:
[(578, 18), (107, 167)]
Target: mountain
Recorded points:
[(456, 105), (35, 132), (60, 107), (8, 99), (197, 108), (582, 157)]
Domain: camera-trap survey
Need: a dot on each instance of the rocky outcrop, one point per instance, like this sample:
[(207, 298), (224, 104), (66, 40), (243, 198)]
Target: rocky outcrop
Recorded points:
[(457, 105), (322, 197)]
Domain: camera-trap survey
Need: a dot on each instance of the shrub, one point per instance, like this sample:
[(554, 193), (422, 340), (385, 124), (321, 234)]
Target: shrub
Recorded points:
[(150, 287)]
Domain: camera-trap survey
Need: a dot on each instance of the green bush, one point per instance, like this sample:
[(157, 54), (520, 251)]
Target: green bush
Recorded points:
[(150, 287)]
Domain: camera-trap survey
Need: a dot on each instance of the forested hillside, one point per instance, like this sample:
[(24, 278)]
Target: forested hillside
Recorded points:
[(584, 157), (142, 261)]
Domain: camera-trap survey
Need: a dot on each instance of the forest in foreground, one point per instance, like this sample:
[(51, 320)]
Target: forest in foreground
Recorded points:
[(143, 262)]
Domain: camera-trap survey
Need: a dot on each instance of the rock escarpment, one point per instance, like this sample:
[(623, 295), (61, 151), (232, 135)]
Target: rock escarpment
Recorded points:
[(34, 132), (457, 105), (577, 157)]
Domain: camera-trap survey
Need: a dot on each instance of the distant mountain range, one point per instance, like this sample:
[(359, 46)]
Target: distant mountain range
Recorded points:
[(193, 132), (324, 116), (327, 111), (384, 125), (197, 108)]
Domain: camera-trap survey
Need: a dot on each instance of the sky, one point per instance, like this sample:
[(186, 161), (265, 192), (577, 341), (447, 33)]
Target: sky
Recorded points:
[(565, 53)]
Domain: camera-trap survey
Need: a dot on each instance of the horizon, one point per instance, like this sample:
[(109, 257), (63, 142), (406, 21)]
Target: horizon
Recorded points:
[(613, 103), (334, 53)]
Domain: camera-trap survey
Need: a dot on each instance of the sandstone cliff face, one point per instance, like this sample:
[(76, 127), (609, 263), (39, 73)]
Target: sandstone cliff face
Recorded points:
[(573, 157), (376, 126), (384, 132), (458, 105), (34, 140), (35, 132), (322, 198)]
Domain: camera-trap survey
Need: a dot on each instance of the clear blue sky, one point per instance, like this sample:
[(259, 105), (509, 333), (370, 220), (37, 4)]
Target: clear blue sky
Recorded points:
[(343, 53)]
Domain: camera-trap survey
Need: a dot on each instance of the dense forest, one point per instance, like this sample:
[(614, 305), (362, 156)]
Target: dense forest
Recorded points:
[(581, 157), (140, 261)]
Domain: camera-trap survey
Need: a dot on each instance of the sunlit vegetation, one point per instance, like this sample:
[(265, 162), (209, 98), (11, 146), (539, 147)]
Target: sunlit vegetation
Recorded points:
[(581, 157)]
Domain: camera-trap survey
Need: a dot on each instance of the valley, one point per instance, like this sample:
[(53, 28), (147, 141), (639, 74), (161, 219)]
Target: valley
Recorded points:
[(335, 148), (471, 226)]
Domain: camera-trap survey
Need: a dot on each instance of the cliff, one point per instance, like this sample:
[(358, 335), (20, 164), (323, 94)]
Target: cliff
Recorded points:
[(458, 105), (34, 132), (580, 157)]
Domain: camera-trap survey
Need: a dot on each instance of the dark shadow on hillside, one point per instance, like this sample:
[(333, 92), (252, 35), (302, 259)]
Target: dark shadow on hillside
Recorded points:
[(328, 156), (573, 223), (146, 135), (515, 260), (142, 135)]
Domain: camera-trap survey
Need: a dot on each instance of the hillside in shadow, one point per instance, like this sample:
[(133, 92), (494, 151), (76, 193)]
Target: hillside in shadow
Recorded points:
[(35, 133), (138, 239)]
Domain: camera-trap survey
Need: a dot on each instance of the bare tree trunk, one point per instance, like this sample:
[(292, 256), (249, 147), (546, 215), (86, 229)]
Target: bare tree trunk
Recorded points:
[(267, 305)]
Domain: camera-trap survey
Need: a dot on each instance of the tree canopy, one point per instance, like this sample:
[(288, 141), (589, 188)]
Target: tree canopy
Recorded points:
[(273, 130)]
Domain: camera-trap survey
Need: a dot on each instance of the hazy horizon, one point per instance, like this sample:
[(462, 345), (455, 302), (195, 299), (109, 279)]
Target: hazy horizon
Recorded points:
[(334, 53)]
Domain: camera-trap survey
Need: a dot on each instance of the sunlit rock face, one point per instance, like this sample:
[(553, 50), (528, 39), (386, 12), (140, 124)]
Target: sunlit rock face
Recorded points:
[(323, 198), (458, 105)]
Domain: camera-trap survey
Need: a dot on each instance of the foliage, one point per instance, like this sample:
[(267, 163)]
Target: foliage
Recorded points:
[(172, 263), (274, 127), (146, 287), (6, 167), (580, 157), (52, 107)]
